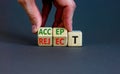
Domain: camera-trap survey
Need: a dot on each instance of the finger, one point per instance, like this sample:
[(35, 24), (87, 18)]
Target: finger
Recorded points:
[(47, 4), (68, 15), (58, 17), (61, 25), (33, 13)]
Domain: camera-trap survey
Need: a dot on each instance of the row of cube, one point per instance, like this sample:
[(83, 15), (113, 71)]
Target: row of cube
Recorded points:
[(48, 36)]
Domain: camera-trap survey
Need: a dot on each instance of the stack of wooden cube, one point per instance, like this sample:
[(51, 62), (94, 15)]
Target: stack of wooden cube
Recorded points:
[(48, 36)]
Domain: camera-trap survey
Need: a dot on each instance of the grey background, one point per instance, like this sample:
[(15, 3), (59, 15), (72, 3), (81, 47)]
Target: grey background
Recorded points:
[(99, 20)]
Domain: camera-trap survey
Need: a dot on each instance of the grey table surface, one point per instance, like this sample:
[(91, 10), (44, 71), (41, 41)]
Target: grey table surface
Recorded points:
[(21, 58)]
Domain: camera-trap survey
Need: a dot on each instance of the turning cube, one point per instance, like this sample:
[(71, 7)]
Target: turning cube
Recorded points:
[(59, 37), (75, 38), (45, 36)]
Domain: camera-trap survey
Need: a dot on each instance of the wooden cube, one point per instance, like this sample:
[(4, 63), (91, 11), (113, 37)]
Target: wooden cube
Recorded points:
[(59, 37), (45, 36), (75, 38)]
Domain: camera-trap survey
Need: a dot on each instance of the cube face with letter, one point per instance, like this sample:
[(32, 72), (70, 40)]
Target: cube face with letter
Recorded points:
[(45, 36), (59, 37), (75, 38)]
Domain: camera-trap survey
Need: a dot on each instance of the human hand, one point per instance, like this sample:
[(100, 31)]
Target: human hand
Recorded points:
[(63, 16)]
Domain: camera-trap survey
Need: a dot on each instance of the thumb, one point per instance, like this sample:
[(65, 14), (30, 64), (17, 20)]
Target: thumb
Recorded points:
[(33, 13)]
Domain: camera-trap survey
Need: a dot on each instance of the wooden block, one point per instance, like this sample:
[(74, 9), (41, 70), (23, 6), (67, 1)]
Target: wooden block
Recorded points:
[(45, 36), (59, 37), (75, 38)]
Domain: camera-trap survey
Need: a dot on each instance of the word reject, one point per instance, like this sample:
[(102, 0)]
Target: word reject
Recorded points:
[(48, 36)]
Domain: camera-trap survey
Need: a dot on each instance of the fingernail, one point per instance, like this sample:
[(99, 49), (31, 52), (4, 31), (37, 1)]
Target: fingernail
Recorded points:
[(34, 28)]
